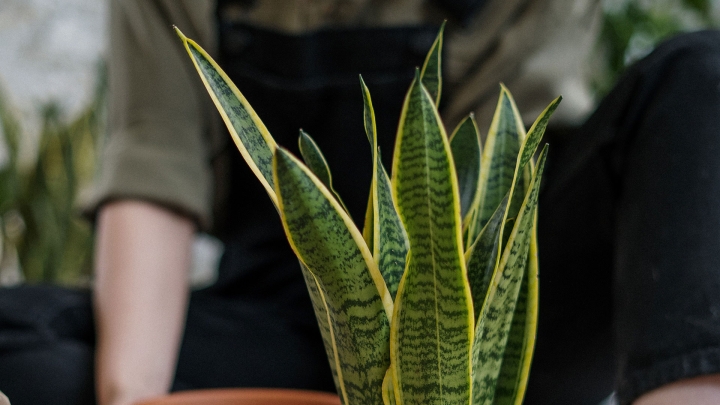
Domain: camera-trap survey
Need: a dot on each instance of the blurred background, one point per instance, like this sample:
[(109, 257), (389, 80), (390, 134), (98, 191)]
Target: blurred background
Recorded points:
[(51, 117), (52, 104)]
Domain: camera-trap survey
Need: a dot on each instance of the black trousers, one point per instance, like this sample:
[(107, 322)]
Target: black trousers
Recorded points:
[(629, 263), (629, 234)]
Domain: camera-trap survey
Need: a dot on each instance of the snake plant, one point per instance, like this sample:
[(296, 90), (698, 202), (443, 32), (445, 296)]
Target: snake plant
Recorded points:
[(435, 300)]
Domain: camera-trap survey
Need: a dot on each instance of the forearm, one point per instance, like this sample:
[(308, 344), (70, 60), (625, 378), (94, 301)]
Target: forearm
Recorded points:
[(141, 292)]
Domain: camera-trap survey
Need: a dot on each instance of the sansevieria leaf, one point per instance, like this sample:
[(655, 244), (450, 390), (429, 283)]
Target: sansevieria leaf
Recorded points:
[(314, 159), (389, 240), (316, 162), (326, 241), (369, 224), (482, 257), (431, 74), (257, 147), (321, 315), (432, 325), (536, 132), (466, 150), (512, 380), (389, 388), (493, 328), (523, 162), (515, 367), (499, 158), (247, 130), (514, 374)]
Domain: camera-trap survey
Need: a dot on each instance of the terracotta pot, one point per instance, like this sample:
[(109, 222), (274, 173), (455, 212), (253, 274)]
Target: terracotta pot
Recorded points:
[(245, 396)]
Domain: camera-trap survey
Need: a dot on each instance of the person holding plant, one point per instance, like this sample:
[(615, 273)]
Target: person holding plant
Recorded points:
[(627, 218)]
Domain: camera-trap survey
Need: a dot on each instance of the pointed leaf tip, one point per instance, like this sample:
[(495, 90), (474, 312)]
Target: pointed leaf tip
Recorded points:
[(179, 33), (316, 162)]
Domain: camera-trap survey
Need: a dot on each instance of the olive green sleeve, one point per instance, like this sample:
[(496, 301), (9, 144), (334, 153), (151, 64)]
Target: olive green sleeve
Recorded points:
[(537, 48), (158, 137)]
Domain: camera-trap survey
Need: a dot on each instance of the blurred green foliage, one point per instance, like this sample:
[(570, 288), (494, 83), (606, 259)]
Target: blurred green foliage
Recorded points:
[(42, 230), (632, 28)]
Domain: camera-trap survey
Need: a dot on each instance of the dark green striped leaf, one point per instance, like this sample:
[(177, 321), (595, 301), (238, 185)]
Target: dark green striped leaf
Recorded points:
[(432, 325), (390, 244), (316, 162), (390, 241), (432, 68), (371, 132), (321, 315), (523, 163), (369, 224), (513, 379), (247, 130), (389, 388), (500, 155), (536, 132), (482, 257), (493, 328), (325, 239), (466, 150), (513, 376), (314, 159)]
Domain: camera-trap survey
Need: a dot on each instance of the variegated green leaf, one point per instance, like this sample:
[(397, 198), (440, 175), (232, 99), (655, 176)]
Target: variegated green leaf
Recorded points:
[(523, 162), (499, 159), (389, 388), (316, 162), (536, 132), (515, 369), (513, 377), (507, 378), (321, 315), (466, 150), (390, 243), (493, 328), (371, 132), (247, 130), (369, 224), (314, 159), (482, 257), (432, 68), (432, 325), (326, 240), (515, 384)]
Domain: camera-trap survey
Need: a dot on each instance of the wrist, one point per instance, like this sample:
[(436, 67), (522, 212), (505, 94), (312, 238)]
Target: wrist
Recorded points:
[(127, 396)]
